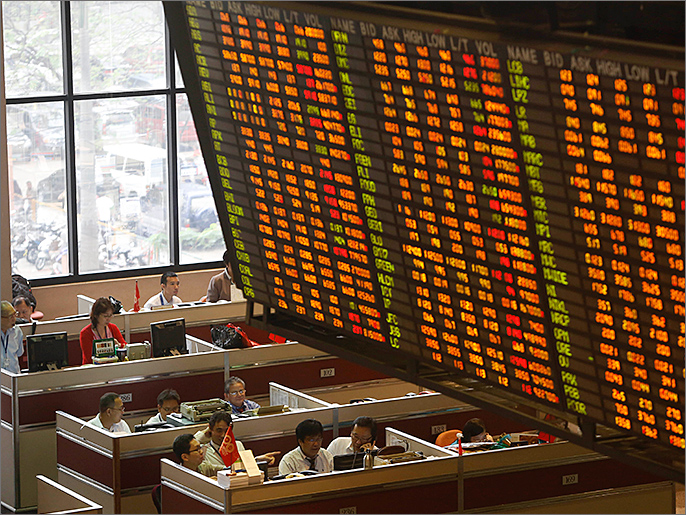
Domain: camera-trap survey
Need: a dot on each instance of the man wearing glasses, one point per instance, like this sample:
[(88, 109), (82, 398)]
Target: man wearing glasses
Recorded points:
[(111, 414), (213, 436), (189, 451), (308, 455), (12, 339), (168, 401), (362, 437), (234, 393)]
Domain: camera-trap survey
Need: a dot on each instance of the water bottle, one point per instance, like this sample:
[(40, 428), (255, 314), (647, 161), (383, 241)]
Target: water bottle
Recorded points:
[(368, 459)]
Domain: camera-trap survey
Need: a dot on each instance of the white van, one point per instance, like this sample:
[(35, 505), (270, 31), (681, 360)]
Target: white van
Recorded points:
[(137, 167)]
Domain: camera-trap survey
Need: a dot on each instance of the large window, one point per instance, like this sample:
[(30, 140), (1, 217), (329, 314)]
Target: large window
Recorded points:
[(104, 162)]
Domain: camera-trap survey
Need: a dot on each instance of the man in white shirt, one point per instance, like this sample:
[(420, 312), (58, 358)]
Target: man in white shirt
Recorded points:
[(168, 401), (111, 414), (189, 451), (12, 339), (170, 288), (308, 455), (362, 437)]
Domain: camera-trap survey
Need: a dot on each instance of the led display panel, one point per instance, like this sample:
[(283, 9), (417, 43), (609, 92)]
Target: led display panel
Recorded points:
[(509, 211)]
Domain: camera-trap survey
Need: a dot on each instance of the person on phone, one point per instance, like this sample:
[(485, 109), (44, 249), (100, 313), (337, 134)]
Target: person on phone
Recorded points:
[(362, 437)]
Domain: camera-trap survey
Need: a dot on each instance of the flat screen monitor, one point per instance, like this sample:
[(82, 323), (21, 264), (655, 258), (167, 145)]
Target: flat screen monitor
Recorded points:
[(168, 337), (47, 351)]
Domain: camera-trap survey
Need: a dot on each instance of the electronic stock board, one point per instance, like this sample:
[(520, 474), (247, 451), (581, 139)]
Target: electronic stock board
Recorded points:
[(510, 211)]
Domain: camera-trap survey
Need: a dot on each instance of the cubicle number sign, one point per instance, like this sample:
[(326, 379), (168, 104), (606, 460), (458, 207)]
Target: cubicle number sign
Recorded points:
[(509, 213)]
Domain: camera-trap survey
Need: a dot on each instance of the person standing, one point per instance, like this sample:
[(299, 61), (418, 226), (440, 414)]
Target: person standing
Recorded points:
[(99, 328), (12, 339)]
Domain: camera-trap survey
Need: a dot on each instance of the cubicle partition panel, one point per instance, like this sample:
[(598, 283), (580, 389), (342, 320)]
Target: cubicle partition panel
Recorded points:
[(118, 471), (557, 476), (29, 403), (294, 399), (184, 491), (420, 415), (348, 393), (258, 366), (56, 498)]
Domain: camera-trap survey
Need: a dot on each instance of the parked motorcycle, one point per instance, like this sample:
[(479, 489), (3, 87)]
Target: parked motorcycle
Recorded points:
[(50, 248)]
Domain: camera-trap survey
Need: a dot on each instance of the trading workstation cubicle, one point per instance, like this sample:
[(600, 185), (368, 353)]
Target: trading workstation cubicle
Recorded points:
[(99, 465), (527, 479), (29, 400)]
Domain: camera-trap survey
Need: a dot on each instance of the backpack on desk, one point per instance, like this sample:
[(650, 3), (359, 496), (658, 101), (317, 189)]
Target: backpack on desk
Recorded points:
[(230, 336)]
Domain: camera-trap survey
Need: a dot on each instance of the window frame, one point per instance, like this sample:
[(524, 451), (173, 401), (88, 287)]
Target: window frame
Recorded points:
[(69, 99)]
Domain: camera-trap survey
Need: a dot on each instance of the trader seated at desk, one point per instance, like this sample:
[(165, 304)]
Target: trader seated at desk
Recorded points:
[(168, 401), (12, 339), (24, 309), (362, 437), (234, 394), (99, 328), (219, 287), (169, 283), (308, 455), (189, 451), (111, 414), (213, 436), (475, 431)]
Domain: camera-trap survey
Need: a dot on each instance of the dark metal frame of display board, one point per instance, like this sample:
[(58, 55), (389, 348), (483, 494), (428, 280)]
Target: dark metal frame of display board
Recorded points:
[(652, 457)]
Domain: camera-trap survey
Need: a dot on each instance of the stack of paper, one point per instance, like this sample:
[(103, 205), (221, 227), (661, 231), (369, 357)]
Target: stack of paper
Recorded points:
[(229, 479)]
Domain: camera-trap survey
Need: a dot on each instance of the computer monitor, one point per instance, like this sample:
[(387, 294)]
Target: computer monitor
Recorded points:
[(168, 337), (48, 351)]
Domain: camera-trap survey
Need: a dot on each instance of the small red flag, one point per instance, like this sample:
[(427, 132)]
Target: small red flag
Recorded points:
[(459, 446), (228, 449), (136, 300)]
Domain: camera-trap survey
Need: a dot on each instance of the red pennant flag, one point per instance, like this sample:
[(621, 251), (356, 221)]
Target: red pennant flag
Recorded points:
[(459, 446), (136, 300), (228, 449)]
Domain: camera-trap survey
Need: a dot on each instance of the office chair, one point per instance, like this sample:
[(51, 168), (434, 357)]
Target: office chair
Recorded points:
[(447, 437), (157, 497)]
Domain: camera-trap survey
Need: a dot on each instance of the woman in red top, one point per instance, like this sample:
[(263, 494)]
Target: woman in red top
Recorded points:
[(99, 328)]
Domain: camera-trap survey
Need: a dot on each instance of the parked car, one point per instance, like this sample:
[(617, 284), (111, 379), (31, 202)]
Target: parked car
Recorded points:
[(119, 126), (196, 205), (53, 187)]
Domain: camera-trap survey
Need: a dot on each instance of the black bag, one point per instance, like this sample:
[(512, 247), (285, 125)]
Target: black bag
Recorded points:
[(227, 336), (21, 287), (116, 305)]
